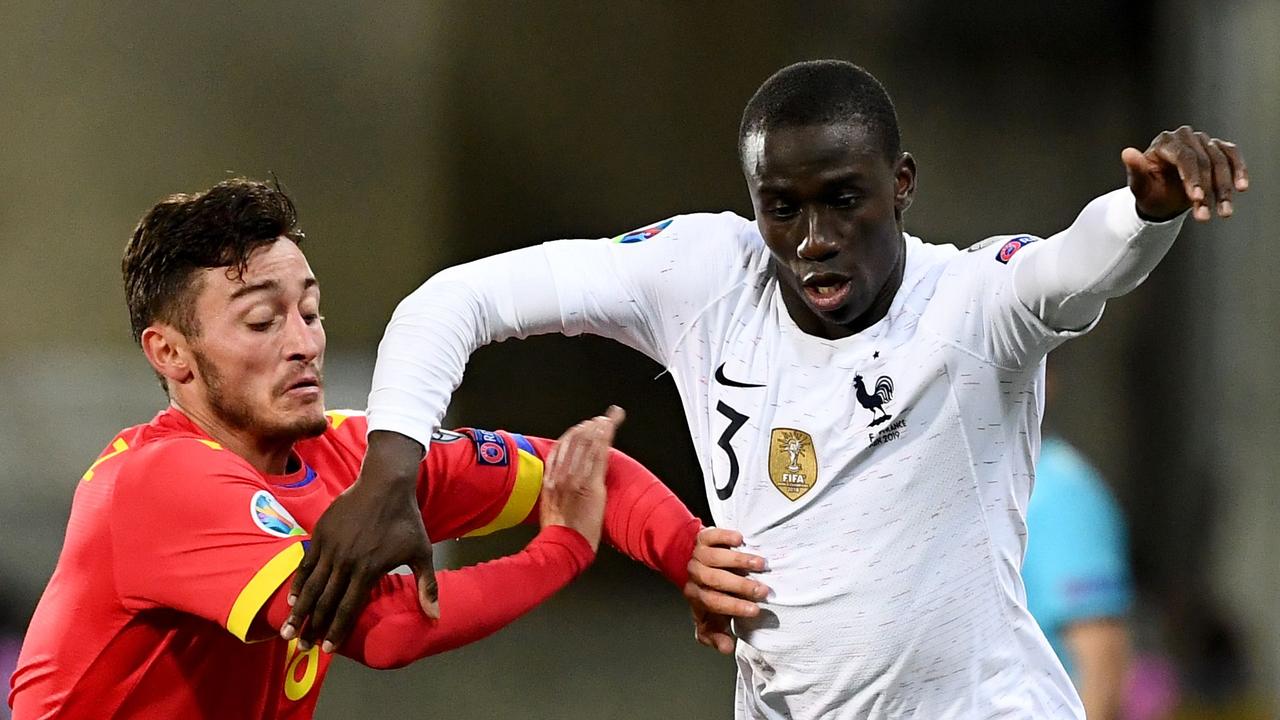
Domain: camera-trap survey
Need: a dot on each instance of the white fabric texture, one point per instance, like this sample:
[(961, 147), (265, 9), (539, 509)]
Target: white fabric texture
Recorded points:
[(885, 476)]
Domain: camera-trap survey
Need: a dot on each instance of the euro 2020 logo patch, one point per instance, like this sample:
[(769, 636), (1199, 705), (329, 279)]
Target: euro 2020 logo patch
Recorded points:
[(636, 236), (271, 516)]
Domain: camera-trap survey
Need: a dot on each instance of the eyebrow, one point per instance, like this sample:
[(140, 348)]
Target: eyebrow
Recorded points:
[(267, 285), (839, 177)]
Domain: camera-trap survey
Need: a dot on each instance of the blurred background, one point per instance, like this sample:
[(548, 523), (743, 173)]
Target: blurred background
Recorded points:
[(417, 135)]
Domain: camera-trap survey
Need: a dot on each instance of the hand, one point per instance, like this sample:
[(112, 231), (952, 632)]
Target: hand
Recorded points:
[(573, 493), (1184, 169), (717, 589), (370, 529)]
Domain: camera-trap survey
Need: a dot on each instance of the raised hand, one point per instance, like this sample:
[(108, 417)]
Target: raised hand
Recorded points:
[(573, 491), (718, 590), (1183, 169)]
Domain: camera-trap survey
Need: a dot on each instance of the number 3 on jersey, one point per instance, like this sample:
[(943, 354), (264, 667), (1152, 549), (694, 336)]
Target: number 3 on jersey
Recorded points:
[(736, 421)]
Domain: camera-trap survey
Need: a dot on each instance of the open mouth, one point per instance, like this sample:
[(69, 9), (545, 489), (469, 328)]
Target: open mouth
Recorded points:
[(826, 292)]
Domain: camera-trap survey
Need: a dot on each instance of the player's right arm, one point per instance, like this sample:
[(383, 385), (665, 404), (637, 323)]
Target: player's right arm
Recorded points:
[(391, 631), (643, 294), (195, 530)]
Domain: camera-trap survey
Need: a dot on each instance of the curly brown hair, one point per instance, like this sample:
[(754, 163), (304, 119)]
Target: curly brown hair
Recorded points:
[(220, 227)]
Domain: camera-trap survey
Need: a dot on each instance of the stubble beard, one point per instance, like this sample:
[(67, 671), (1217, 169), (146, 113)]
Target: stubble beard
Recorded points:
[(237, 413)]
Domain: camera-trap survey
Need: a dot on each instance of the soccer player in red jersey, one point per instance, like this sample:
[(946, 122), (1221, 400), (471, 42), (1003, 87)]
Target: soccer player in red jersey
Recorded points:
[(171, 589)]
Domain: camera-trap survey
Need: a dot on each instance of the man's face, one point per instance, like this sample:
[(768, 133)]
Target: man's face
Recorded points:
[(829, 205), (259, 349)]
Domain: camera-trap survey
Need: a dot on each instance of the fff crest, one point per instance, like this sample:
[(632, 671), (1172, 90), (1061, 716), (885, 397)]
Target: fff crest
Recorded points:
[(793, 463)]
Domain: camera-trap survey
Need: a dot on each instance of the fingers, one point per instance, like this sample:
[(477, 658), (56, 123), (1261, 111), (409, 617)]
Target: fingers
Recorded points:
[(348, 610), (718, 557), (304, 597), (713, 631), (1187, 163), (428, 591), (1220, 171), (720, 536), (326, 604), (582, 453), (1208, 171), (1239, 172), (741, 593)]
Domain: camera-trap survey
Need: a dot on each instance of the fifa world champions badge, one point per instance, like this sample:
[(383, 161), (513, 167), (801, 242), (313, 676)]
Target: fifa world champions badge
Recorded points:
[(793, 463)]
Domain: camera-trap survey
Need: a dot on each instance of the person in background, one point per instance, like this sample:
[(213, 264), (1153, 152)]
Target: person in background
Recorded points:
[(1076, 571)]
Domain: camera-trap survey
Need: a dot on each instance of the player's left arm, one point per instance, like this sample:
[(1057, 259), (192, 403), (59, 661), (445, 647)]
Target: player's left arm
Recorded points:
[(1119, 238), (1100, 650)]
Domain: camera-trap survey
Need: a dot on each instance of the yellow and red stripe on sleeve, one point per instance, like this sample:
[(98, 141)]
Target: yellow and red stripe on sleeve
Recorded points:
[(261, 587), (524, 492)]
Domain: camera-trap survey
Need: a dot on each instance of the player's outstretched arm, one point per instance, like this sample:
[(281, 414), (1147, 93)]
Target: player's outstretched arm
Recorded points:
[(1119, 238), (643, 519), (392, 631)]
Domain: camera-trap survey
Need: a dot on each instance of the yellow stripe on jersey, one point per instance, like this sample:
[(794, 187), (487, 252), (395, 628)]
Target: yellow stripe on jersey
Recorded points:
[(260, 588), (212, 444), (117, 447), (523, 495), (337, 417)]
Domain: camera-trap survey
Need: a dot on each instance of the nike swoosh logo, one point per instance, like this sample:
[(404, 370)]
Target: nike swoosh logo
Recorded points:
[(720, 378)]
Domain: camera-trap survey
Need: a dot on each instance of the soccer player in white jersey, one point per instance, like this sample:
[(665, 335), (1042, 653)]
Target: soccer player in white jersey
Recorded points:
[(865, 406)]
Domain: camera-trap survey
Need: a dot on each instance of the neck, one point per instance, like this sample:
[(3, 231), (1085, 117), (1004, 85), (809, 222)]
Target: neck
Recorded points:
[(267, 457)]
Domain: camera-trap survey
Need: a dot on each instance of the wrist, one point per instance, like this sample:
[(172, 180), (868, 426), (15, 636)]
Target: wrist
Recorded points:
[(577, 544), (392, 460)]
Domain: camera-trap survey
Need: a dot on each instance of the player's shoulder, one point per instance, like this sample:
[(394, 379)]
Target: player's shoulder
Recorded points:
[(995, 253), (706, 234), (346, 426), (174, 466), (956, 275)]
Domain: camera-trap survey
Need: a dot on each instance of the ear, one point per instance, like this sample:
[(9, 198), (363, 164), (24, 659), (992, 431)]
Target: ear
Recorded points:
[(904, 178), (168, 352)]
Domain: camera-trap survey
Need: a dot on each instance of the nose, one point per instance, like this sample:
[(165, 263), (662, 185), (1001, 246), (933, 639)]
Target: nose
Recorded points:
[(817, 244), (303, 342)]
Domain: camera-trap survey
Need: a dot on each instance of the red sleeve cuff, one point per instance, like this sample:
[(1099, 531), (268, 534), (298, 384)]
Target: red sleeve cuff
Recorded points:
[(569, 539)]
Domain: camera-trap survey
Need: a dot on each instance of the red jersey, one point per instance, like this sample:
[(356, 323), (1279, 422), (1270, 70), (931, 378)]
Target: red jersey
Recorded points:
[(175, 545)]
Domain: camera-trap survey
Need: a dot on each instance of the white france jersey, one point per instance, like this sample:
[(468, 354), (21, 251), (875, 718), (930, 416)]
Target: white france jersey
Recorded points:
[(884, 476)]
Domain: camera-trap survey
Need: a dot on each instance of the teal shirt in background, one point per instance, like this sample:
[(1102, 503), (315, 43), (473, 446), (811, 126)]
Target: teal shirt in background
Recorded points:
[(1077, 562)]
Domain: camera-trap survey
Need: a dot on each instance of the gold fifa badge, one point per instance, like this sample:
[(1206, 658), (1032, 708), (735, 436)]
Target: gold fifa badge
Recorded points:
[(793, 463)]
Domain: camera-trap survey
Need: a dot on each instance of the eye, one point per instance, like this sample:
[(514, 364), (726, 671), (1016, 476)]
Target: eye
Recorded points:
[(312, 318), (783, 211), (845, 200), (260, 326)]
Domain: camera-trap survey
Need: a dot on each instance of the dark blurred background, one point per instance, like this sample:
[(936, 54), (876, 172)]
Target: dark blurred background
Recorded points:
[(417, 135)]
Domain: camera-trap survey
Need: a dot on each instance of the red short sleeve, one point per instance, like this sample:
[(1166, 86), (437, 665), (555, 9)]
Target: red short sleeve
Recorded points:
[(195, 528)]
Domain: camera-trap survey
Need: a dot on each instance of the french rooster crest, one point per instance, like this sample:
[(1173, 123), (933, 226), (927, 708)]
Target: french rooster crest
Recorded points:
[(874, 401)]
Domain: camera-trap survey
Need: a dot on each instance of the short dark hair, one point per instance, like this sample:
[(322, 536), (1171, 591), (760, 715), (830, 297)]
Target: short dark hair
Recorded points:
[(820, 92), (181, 234)]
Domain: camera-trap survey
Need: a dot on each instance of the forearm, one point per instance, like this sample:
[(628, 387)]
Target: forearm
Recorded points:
[(1108, 251), (434, 331), (1100, 654), (475, 602), (643, 519)]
